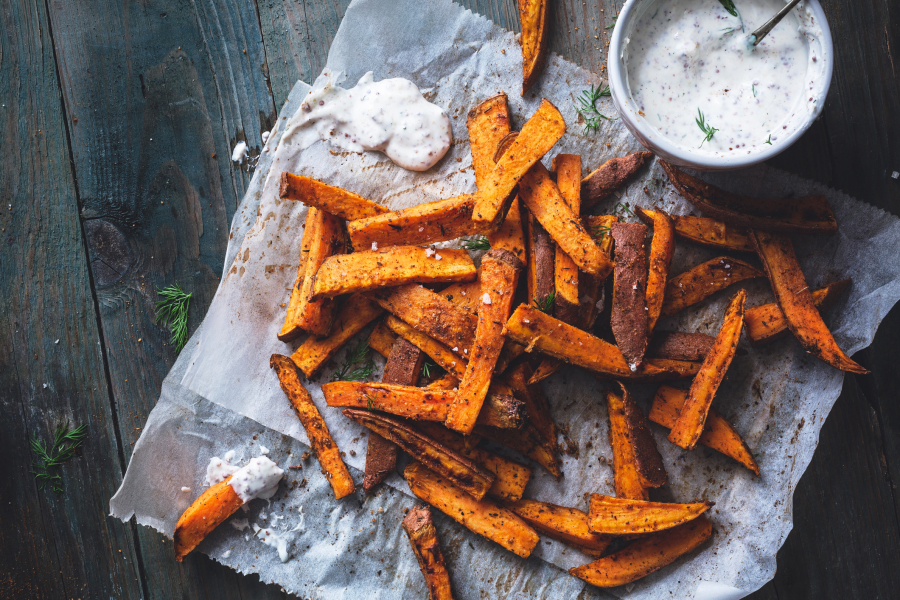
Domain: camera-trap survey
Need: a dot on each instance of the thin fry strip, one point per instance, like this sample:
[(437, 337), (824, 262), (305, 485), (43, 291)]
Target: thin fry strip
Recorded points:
[(334, 200), (795, 300), (689, 426), (207, 512), (545, 369), (704, 280), (427, 548), (591, 286), (568, 180), (646, 455), (712, 233), (529, 442), (535, 31), (622, 516), (629, 320), (627, 478), (417, 225), (320, 439), (382, 339), (536, 404), (766, 322), (568, 525), (290, 331), (540, 269), (610, 176), (662, 248), (441, 354)]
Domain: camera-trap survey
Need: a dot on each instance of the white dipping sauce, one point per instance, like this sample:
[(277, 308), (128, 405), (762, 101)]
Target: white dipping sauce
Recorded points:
[(389, 116), (258, 479), (682, 56)]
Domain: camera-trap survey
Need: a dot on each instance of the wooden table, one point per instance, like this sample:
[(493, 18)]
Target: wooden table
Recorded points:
[(118, 120)]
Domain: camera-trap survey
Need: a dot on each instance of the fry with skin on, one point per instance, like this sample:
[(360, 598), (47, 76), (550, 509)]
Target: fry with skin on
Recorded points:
[(718, 433), (627, 478), (590, 286), (629, 320), (382, 339), (334, 200), (441, 354), (290, 331), (427, 548), (712, 233), (681, 345), (704, 280), (766, 323), (645, 555), (796, 303), (483, 517), (646, 455), (398, 265), (568, 525), (540, 269), (536, 403), (320, 439), (533, 16), (622, 516), (610, 176), (568, 180), (662, 248), (527, 441), (207, 512), (692, 418)]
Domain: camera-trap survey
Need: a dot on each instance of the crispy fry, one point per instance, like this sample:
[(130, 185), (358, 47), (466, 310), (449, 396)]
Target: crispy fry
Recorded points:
[(703, 281), (539, 134), (447, 382), (417, 225), (529, 442), (718, 433), (795, 300), (499, 279), (464, 295), (441, 354), (680, 345), (334, 200), (610, 176), (568, 179), (382, 339), (622, 516), (646, 555), (568, 525), (290, 331), (545, 369), (510, 235), (540, 267), (811, 214), (590, 286), (646, 455), (460, 471), (483, 517), (357, 312), (519, 379), (630, 320), (627, 478), (712, 233), (427, 548), (535, 29), (662, 248), (766, 323), (364, 271), (691, 419), (502, 410), (320, 439), (207, 512)]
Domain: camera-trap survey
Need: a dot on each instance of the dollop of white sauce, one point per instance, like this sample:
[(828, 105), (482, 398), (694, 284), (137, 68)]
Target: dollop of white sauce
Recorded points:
[(219, 469), (389, 116), (685, 56), (258, 479), (239, 153), (226, 554), (278, 541)]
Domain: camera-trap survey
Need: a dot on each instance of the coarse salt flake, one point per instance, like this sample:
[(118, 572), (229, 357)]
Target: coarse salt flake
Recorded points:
[(374, 246), (486, 298), (429, 252), (895, 175), (185, 489), (437, 256)]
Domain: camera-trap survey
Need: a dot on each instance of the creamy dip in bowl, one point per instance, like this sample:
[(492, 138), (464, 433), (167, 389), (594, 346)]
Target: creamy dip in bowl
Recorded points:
[(691, 88)]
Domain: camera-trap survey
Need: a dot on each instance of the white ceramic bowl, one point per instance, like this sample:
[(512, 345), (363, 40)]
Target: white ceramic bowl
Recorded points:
[(684, 157)]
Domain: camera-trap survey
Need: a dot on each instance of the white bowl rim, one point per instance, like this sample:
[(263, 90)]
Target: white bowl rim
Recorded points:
[(678, 154)]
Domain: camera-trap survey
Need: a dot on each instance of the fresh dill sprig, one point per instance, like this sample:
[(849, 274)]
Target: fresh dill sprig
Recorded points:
[(729, 6), (622, 209), (709, 130), (587, 108), (613, 24), (65, 442), (427, 366), (476, 243), (753, 87), (545, 305), (370, 402), (359, 355), (172, 311), (769, 141), (599, 232)]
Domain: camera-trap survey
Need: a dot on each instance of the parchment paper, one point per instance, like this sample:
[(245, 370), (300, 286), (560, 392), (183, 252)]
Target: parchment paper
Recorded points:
[(221, 393)]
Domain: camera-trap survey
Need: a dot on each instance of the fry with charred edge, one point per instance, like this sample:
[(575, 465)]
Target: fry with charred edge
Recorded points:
[(542, 198), (811, 215), (535, 29), (357, 312), (417, 225), (320, 439), (333, 200), (207, 512), (539, 270), (536, 404), (529, 442), (627, 478), (795, 300), (539, 134), (630, 314), (622, 516), (712, 233), (662, 248), (692, 418), (447, 382), (568, 525), (364, 271), (290, 331), (680, 345), (464, 296), (441, 354), (499, 279), (766, 323), (646, 455), (545, 369), (427, 548), (704, 280), (382, 339), (483, 517), (645, 555), (568, 180), (590, 286), (460, 471), (550, 336), (718, 433), (610, 176)]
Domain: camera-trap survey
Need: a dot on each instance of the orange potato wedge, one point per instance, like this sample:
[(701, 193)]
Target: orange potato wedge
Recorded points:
[(545, 369), (529, 442), (446, 382), (535, 30), (621, 516), (333, 200), (629, 320), (567, 301), (441, 354), (645, 555), (712, 233), (811, 215), (464, 295), (689, 426), (483, 517), (568, 525), (320, 439), (796, 303), (704, 280), (626, 475), (662, 248), (610, 176), (290, 331), (766, 322), (718, 433), (382, 339), (535, 402), (681, 345), (423, 537), (590, 286), (207, 512)]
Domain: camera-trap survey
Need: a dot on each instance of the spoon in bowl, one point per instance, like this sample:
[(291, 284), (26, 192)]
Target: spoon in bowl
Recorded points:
[(757, 36)]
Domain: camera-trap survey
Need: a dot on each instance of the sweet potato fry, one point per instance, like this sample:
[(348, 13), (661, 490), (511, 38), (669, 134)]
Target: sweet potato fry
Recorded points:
[(590, 286), (662, 248), (535, 29), (691, 419), (811, 215), (568, 179), (382, 339), (621, 516), (704, 280), (545, 369), (539, 269), (483, 517), (357, 312), (568, 525), (417, 225), (464, 295), (766, 322), (441, 354), (333, 200), (536, 403), (630, 320), (527, 441), (364, 271), (320, 439), (539, 134), (627, 477), (427, 548), (290, 331), (795, 300), (499, 279), (404, 364), (712, 233), (718, 433), (610, 176), (447, 382), (462, 472), (680, 345), (646, 455), (502, 410), (207, 512), (646, 555)]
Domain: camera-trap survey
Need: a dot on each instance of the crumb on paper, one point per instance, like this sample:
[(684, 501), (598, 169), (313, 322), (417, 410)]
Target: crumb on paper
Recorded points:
[(895, 175), (185, 489)]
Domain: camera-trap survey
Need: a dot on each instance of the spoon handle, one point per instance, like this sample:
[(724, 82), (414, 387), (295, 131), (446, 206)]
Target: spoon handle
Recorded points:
[(757, 36)]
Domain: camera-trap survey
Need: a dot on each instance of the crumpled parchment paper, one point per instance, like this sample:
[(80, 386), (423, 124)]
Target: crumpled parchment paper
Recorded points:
[(222, 395)]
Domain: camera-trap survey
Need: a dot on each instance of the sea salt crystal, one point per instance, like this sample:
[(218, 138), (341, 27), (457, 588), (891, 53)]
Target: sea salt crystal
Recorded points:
[(456, 348), (374, 246), (486, 298), (429, 252), (895, 174), (437, 257), (185, 489)]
